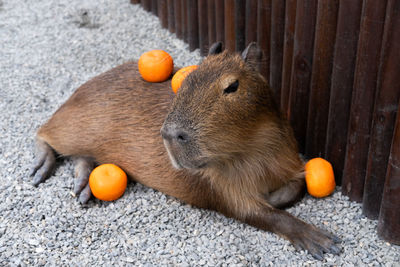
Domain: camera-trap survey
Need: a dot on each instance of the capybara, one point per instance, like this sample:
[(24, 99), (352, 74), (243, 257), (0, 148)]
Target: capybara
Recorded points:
[(221, 143)]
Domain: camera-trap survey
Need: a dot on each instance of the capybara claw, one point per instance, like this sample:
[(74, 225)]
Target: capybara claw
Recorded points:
[(85, 194), (44, 165), (80, 183), (83, 168), (317, 242), (335, 250)]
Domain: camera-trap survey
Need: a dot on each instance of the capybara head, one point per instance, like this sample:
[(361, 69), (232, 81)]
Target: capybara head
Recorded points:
[(219, 111)]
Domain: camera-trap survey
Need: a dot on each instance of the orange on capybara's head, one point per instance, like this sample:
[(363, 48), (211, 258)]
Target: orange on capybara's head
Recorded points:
[(155, 66)]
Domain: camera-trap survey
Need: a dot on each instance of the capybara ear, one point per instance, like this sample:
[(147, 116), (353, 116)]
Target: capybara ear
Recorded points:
[(252, 55), (215, 48)]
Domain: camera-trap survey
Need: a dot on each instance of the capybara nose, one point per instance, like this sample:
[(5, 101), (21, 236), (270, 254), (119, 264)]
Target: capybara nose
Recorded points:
[(173, 133)]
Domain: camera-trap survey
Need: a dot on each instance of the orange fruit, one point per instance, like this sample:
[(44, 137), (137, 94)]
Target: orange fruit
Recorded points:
[(320, 179), (155, 66), (108, 182), (180, 75)]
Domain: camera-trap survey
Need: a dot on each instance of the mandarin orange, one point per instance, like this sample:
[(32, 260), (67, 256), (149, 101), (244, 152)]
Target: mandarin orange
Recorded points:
[(320, 179), (155, 66), (180, 75), (108, 182)]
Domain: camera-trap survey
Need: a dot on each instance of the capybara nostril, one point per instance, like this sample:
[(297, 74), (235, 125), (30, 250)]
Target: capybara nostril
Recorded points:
[(182, 137), (174, 133)]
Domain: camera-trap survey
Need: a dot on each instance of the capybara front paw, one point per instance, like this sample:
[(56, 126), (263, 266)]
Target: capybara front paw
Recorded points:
[(316, 242)]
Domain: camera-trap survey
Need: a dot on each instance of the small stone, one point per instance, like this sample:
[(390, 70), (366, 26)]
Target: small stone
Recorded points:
[(33, 242), (39, 250), (129, 259)]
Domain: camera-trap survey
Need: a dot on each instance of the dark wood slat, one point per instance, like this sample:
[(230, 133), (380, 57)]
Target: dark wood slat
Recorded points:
[(264, 34), (389, 217), (290, 19), (193, 27), (342, 83), (154, 7), (171, 15), (135, 1), (240, 24), (163, 13), (220, 21), (212, 35), (251, 21), (203, 26), (385, 108), (146, 4), (230, 25), (302, 68), (318, 109), (362, 103), (185, 24), (178, 18), (277, 38)]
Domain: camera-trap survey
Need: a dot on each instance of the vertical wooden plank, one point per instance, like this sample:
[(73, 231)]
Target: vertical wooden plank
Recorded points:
[(302, 68), (290, 19), (178, 18), (277, 37), (184, 10), (240, 24), (230, 25), (389, 217), (163, 13), (365, 81), (203, 27), (146, 4), (251, 21), (135, 1), (220, 21), (193, 27), (171, 15), (348, 27), (154, 7), (212, 36), (264, 34), (386, 100), (318, 110)]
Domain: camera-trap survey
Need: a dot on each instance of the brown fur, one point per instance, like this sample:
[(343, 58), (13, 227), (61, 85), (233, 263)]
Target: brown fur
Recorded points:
[(247, 147)]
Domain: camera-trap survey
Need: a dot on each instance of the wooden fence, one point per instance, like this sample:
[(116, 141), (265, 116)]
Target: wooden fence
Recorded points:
[(335, 69)]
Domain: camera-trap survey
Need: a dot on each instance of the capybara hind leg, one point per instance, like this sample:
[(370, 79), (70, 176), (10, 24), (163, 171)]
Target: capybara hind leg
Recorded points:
[(288, 194), (44, 163), (83, 168)]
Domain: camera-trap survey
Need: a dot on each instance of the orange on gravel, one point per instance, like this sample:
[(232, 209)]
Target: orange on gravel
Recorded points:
[(108, 182), (155, 66), (320, 179), (180, 75)]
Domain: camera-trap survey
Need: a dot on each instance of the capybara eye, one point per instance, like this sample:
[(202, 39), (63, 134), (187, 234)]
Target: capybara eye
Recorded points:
[(232, 87)]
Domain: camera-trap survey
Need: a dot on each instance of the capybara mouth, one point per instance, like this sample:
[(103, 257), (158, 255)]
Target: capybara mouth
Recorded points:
[(180, 161), (172, 155)]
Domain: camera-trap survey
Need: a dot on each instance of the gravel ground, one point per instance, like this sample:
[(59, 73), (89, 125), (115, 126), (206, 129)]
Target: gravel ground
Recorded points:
[(47, 49)]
